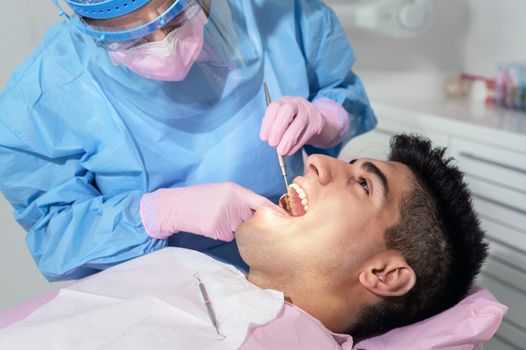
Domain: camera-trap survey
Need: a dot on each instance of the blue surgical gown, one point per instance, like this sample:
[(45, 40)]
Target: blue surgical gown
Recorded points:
[(81, 140)]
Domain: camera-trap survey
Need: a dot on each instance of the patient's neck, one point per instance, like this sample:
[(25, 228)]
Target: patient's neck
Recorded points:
[(330, 304)]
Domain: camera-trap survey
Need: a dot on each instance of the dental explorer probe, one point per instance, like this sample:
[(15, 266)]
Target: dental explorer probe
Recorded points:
[(281, 158), (208, 304)]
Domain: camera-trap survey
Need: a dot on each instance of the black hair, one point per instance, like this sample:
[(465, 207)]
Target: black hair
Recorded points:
[(438, 234)]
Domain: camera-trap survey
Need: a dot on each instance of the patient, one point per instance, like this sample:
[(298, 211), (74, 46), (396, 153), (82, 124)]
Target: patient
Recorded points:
[(380, 245)]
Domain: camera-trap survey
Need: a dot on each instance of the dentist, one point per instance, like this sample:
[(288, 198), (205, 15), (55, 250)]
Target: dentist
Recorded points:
[(138, 124)]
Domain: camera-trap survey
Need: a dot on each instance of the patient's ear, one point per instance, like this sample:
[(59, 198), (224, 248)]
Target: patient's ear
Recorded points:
[(388, 274)]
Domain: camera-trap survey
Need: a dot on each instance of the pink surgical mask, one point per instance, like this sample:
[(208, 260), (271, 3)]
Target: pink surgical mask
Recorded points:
[(170, 59)]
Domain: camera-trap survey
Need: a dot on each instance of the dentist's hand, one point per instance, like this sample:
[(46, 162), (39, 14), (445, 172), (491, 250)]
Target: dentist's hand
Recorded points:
[(292, 122), (211, 210)]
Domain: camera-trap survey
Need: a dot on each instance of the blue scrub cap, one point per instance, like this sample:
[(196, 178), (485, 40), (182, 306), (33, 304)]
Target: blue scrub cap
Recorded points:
[(104, 9)]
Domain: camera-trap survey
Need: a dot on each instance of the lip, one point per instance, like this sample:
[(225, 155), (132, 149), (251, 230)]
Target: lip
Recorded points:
[(266, 213)]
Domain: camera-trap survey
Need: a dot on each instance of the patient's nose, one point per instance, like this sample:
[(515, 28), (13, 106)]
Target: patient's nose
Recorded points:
[(322, 167)]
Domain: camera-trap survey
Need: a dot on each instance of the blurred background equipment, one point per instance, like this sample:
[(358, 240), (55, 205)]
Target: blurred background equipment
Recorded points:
[(395, 18)]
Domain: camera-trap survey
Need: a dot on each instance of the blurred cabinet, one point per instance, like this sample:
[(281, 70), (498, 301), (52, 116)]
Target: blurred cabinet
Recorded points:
[(494, 162), (21, 279)]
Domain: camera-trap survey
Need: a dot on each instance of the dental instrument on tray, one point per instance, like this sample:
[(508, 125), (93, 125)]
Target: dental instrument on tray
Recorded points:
[(208, 304), (281, 158)]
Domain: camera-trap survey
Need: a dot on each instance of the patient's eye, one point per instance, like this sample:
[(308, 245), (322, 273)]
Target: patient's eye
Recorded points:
[(364, 184)]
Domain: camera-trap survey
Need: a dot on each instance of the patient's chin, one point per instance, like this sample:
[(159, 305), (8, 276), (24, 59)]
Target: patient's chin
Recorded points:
[(244, 232), (252, 241), (245, 240)]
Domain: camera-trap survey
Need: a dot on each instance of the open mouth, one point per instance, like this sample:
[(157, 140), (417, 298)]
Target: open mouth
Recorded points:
[(295, 201)]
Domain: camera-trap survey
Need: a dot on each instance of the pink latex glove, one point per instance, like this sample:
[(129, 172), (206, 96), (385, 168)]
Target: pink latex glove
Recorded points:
[(292, 122), (211, 210)]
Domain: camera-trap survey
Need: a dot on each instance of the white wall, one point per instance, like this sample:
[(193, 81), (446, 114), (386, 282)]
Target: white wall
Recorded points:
[(465, 35), (22, 24), (437, 49), (495, 34)]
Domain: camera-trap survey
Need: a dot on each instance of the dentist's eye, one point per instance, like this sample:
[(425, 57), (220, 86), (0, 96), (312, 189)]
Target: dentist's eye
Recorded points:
[(364, 184)]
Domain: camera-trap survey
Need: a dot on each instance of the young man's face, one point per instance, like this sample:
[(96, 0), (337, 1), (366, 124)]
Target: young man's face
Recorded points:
[(350, 206)]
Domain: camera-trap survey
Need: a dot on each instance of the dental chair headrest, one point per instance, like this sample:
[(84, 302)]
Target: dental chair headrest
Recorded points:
[(468, 324)]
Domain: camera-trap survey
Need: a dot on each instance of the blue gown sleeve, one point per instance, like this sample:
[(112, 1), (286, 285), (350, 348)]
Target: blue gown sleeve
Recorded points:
[(73, 229), (330, 58)]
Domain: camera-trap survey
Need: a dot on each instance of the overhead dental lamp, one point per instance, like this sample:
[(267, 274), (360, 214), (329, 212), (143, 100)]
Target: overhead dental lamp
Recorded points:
[(396, 18)]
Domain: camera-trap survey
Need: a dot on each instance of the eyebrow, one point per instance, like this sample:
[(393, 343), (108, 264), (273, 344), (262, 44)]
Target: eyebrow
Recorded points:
[(374, 170)]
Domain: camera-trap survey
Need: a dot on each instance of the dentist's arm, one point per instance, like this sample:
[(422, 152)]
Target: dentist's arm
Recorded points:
[(330, 59), (337, 107), (73, 229)]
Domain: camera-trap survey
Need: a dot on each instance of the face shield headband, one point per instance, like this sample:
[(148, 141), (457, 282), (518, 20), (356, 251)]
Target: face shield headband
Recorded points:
[(90, 12)]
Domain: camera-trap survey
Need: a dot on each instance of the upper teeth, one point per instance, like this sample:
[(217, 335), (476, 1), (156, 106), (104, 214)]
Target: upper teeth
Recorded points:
[(302, 195)]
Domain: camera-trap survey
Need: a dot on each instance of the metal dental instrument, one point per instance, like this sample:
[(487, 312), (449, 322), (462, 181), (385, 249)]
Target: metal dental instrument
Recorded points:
[(281, 158), (208, 304)]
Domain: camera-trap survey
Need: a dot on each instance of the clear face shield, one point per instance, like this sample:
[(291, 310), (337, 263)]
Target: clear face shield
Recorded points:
[(161, 39)]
